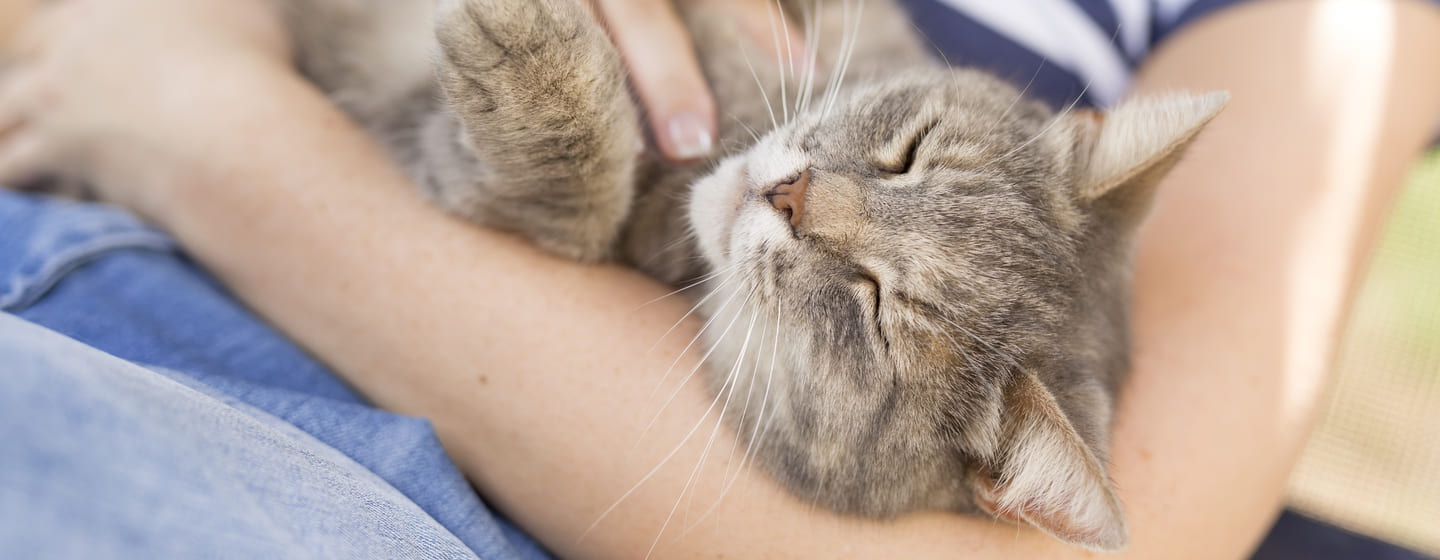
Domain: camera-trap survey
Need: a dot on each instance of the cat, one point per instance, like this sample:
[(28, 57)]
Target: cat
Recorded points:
[(938, 266)]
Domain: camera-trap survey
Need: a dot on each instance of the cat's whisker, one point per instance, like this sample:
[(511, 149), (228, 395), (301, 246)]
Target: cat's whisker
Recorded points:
[(830, 80), (832, 84), (763, 95), (730, 382), (698, 365), (1059, 117), (954, 77), (983, 342), (683, 489), (933, 45), (803, 72), (678, 242), (1011, 107), (698, 335), (789, 57), (650, 474), (749, 390), (760, 424), (733, 380), (848, 54), (663, 461), (753, 135), (744, 412), (702, 331), (693, 308), (812, 41), (702, 280), (747, 458), (756, 433), (775, 34), (853, 35), (814, 60), (963, 354)]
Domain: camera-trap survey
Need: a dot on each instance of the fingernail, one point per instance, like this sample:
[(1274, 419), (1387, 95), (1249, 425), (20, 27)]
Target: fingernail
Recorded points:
[(690, 138)]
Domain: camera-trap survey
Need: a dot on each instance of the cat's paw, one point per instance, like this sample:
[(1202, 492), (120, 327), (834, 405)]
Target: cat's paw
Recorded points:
[(529, 55), (547, 127), (480, 37)]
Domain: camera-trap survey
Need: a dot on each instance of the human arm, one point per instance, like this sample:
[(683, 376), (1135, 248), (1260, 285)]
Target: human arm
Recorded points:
[(538, 373), (1249, 262)]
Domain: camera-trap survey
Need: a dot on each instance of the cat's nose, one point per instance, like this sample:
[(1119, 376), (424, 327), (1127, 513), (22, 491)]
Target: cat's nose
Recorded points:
[(789, 196)]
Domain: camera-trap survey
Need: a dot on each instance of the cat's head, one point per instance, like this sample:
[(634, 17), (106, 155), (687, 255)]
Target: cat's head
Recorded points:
[(937, 271)]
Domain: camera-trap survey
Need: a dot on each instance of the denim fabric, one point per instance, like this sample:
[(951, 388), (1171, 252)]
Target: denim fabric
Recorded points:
[(98, 276), (105, 459)]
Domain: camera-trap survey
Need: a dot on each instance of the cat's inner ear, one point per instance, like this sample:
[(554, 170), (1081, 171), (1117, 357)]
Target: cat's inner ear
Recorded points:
[(1133, 145), (1044, 475)]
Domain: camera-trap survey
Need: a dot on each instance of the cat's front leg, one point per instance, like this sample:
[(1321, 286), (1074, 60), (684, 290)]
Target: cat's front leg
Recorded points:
[(541, 136)]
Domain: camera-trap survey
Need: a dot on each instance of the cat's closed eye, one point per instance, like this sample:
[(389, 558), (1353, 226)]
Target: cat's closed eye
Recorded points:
[(871, 285), (911, 153)]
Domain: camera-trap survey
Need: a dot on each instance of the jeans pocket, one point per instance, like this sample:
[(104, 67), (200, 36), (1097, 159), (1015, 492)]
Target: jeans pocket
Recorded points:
[(44, 238)]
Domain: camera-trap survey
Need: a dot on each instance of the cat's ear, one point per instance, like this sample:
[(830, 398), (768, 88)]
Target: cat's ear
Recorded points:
[(1132, 146), (1044, 475)]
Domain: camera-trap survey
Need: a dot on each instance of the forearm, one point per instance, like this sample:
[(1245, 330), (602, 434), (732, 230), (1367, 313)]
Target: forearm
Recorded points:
[(1247, 266), (540, 374)]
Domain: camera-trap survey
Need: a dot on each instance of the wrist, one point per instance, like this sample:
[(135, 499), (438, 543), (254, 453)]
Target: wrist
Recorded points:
[(225, 135), (274, 149)]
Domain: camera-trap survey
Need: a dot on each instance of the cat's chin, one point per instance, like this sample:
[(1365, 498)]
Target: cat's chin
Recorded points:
[(715, 202)]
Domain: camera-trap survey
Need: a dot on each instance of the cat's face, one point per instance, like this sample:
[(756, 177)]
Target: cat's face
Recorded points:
[(933, 246), (907, 262)]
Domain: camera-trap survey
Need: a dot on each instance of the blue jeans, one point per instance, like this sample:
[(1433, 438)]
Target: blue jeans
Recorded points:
[(145, 414)]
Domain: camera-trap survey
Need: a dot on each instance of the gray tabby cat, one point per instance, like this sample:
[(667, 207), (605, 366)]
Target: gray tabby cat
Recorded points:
[(947, 261)]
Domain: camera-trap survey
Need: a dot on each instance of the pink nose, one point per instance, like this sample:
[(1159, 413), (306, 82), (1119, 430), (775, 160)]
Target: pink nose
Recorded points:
[(789, 197)]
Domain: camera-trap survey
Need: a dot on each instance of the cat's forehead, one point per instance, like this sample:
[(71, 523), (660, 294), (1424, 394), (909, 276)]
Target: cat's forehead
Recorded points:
[(964, 100), (979, 185), (970, 122)]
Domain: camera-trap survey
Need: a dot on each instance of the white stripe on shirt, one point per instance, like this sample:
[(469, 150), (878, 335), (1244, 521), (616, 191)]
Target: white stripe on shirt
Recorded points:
[(1134, 32), (1062, 33)]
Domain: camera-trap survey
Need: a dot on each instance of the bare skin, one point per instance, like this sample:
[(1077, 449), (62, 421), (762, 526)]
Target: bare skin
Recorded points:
[(542, 386)]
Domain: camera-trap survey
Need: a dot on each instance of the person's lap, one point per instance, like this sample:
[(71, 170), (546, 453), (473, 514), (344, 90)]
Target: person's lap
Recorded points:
[(232, 441)]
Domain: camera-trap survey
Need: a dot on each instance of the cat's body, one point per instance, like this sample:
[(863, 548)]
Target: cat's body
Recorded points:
[(376, 59), (917, 287)]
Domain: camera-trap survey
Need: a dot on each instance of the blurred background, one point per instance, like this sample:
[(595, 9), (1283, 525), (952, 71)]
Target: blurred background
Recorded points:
[(1373, 464)]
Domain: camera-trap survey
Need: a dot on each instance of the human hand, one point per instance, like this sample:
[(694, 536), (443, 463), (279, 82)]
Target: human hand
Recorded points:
[(108, 92), (657, 50), (98, 90)]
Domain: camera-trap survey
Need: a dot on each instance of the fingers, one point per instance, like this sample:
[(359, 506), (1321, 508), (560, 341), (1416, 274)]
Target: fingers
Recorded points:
[(22, 153), (661, 59), (660, 56), (23, 157), (10, 115)]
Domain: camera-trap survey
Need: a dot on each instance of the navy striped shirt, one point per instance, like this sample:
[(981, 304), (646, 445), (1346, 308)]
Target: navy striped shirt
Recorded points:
[(1062, 51)]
